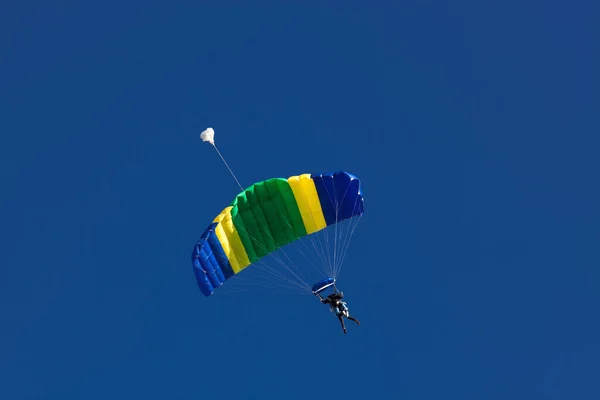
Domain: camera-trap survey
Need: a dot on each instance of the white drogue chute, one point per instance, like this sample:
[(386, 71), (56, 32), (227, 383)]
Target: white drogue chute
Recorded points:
[(208, 135)]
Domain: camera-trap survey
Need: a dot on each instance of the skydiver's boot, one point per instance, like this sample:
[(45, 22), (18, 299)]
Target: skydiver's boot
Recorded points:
[(342, 322), (354, 319)]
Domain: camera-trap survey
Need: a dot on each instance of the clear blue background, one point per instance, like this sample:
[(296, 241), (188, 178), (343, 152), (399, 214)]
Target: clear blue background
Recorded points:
[(473, 125)]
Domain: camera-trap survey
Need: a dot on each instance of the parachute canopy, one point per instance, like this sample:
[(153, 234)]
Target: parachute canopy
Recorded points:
[(268, 215)]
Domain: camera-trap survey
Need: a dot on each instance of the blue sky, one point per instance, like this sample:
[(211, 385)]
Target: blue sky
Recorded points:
[(472, 125)]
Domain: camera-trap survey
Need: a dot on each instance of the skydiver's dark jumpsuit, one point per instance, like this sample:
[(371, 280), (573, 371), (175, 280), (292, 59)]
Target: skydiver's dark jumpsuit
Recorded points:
[(335, 302)]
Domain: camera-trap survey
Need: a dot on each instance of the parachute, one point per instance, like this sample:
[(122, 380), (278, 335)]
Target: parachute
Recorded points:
[(208, 135), (270, 215)]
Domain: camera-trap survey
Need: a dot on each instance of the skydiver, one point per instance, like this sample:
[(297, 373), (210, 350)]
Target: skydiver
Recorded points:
[(338, 306)]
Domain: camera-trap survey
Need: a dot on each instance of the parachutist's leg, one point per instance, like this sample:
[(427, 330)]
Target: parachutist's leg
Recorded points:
[(342, 322), (354, 319)]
